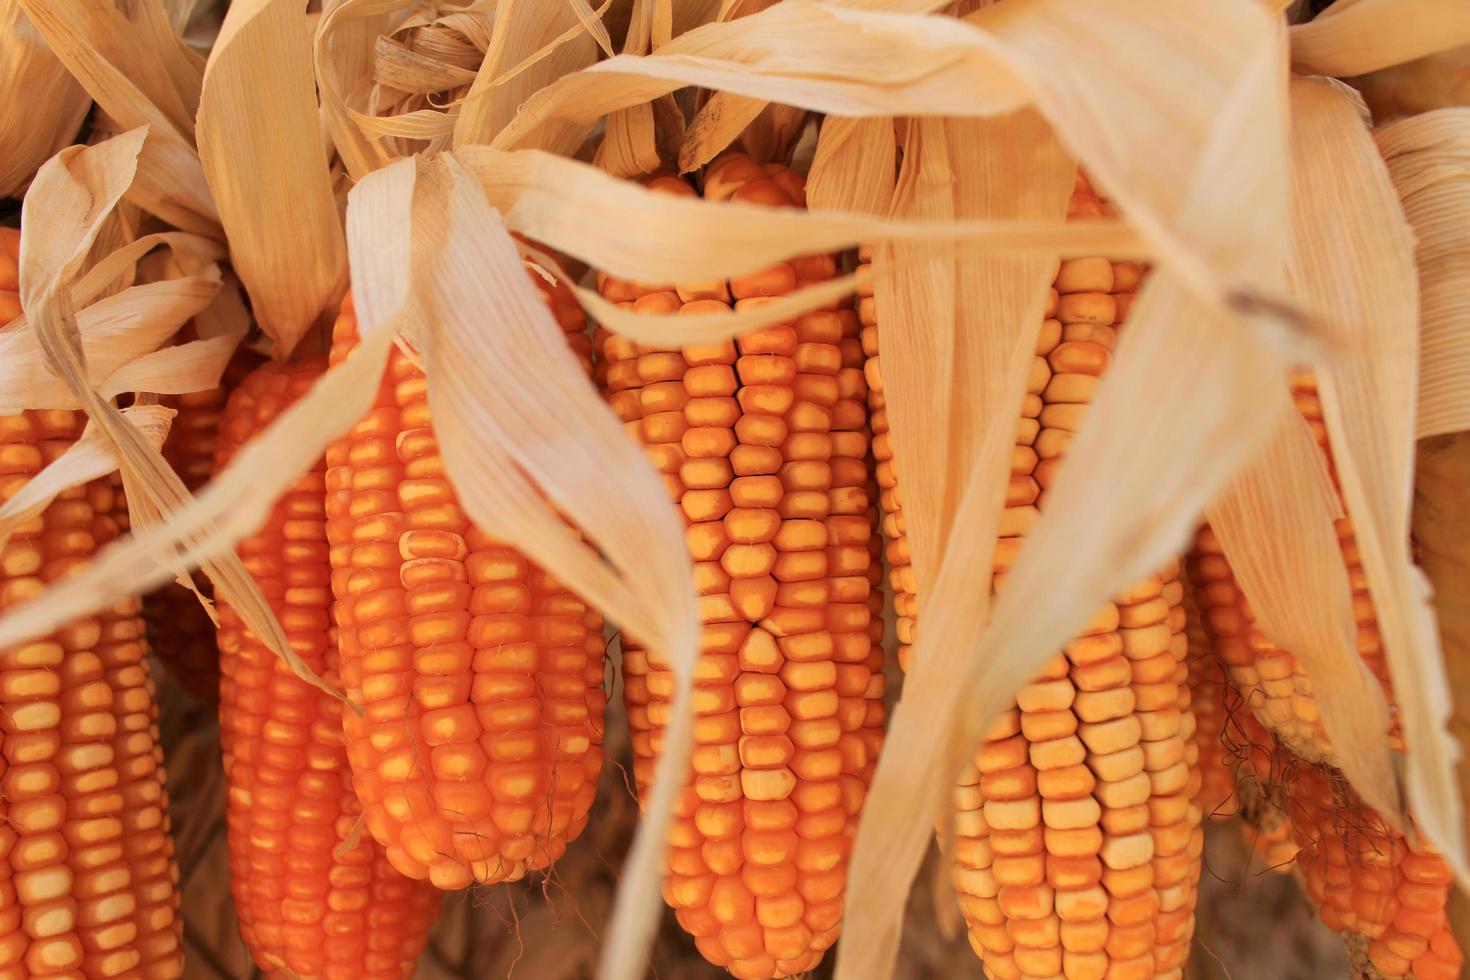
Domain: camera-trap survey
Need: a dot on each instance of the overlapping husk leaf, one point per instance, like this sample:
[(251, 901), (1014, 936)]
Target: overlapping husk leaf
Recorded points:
[(41, 105), (1252, 277)]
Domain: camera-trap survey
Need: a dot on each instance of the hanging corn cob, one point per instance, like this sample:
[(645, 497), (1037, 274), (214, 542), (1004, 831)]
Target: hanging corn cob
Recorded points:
[(477, 756), (1384, 893), (180, 632), (763, 444), (1235, 754), (312, 895), (1272, 681), (87, 879), (1077, 837), (1354, 866)]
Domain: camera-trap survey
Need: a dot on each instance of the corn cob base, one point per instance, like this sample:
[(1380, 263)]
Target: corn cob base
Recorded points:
[(1077, 830), (313, 895), (763, 444), (478, 752)]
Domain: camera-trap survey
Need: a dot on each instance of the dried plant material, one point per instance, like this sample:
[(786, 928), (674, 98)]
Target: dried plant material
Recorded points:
[(861, 63), (629, 144), (113, 332), (1429, 159), (582, 211), (41, 106), (1354, 37), (1430, 83), (183, 65), (1355, 264), (87, 459), (115, 61), (269, 172), (1125, 500), (560, 43), (1275, 525), (854, 167), (73, 194)]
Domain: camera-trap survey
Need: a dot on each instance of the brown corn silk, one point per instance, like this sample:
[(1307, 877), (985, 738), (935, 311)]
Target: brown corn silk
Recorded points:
[(180, 631), (87, 877), (480, 743), (763, 443), (314, 898), (1385, 892), (1076, 839)]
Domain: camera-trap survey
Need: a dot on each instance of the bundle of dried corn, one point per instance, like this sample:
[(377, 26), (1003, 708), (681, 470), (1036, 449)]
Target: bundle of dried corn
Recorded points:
[(474, 559)]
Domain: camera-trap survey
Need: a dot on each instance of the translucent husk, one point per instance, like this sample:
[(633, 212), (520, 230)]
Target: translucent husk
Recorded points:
[(1199, 169), (41, 106)]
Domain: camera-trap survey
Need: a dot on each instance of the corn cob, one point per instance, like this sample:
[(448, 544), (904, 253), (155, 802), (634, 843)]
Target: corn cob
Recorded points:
[(87, 881), (1077, 833), (312, 896), (1272, 681), (481, 676), (1353, 865), (1387, 895), (763, 444), (180, 632)]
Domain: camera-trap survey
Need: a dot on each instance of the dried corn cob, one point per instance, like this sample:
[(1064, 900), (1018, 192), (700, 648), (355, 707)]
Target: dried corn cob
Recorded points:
[(86, 864), (481, 676), (1272, 681), (312, 896), (180, 632), (1353, 865), (1077, 837), (763, 444), (1384, 893)]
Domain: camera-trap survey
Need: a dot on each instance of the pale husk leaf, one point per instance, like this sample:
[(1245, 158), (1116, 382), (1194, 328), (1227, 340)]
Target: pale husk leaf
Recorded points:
[(854, 166), (522, 28), (115, 62), (1355, 264), (41, 105), (63, 212), (585, 212), (343, 58), (1354, 37), (1429, 159), (1125, 500), (87, 459), (269, 172), (858, 63), (183, 65), (114, 331)]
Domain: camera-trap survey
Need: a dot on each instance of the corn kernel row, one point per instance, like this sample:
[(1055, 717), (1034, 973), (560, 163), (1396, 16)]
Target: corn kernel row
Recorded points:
[(763, 444)]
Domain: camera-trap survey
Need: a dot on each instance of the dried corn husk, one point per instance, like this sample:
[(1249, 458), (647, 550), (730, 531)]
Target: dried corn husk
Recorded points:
[(41, 106), (270, 172), (64, 211)]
